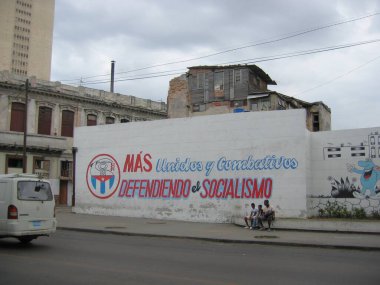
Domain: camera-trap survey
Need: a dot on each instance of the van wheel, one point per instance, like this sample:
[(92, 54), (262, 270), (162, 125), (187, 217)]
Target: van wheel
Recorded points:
[(26, 239)]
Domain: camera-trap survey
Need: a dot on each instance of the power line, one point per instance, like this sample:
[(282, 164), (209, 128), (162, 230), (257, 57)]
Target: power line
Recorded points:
[(260, 43), (129, 79), (285, 37), (144, 75), (338, 77), (306, 52), (251, 61), (182, 70)]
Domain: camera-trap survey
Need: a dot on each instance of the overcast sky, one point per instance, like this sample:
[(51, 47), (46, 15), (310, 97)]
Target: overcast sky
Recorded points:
[(88, 34)]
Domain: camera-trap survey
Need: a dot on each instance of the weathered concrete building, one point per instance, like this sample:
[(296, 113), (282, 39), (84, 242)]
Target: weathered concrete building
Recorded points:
[(209, 90), (53, 112)]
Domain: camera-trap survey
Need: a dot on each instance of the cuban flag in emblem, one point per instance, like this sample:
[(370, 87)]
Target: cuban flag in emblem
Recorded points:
[(103, 176), (102, 182)]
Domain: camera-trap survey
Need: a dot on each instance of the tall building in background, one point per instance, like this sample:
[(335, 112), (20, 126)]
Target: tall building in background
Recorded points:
[(26, 37)]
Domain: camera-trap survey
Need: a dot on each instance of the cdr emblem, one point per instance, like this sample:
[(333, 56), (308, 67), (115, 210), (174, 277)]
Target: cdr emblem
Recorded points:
[(103, 176)]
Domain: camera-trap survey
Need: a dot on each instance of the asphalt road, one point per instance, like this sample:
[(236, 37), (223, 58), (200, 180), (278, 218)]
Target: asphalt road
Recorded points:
[(87, 258)]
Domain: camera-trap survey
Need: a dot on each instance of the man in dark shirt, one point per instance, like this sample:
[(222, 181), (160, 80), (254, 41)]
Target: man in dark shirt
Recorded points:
[(268, 215)]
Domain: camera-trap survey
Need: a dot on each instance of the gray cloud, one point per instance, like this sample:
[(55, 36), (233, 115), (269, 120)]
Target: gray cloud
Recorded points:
[(90, 33)]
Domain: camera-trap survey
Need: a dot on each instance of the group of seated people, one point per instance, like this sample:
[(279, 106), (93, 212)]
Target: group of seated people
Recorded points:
[(258, 215)]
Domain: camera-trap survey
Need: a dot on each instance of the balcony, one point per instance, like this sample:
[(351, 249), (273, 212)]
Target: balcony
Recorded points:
[(35, 143)]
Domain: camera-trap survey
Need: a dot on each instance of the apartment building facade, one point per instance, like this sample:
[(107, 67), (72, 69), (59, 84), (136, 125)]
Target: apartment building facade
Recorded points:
[(53, 112)]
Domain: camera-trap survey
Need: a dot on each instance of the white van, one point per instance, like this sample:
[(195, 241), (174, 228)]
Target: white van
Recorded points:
[(27, 207)]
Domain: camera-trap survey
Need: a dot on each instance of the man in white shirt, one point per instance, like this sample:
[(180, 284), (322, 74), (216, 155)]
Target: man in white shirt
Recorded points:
[(252, 218)]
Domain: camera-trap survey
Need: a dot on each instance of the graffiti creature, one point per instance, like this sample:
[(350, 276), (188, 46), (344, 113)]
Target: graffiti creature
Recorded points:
[(370, 174), (343, 188)]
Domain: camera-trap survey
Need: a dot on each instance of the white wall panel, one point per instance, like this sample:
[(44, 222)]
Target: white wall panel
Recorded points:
[(205, 141), (345, 169)]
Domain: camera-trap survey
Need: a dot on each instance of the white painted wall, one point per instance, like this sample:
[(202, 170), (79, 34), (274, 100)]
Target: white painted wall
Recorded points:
[(333, 155), (204, 140)]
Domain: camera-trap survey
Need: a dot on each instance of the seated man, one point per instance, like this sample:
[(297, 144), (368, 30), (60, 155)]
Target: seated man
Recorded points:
[(268, 215), (252, 217)]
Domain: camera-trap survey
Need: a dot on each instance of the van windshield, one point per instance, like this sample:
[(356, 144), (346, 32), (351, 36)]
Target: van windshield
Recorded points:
[(34, 191)]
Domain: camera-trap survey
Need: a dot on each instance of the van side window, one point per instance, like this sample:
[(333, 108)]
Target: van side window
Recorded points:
[(34, 191)]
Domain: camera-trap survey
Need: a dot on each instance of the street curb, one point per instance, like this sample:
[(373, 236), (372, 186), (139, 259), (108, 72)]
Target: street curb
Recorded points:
[(320, 231), (291, 244)]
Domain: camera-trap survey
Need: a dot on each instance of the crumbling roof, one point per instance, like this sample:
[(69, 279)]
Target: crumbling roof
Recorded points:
[(289, 99), (254, 68)]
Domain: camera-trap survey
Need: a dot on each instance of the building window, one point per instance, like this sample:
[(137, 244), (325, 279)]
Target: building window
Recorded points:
[(67, 125), (200, 80), (238, 76), (17, 117), (91, 120), (315, 117), (219, 84), (66, 169), (44, 120), (41, 167), (110, 120), (14, 164)]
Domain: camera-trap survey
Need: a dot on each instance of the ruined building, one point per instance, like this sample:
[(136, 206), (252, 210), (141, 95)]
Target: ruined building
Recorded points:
[(209, 90)]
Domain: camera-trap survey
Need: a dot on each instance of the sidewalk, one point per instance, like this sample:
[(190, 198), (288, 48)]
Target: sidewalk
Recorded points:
[(231, 233)]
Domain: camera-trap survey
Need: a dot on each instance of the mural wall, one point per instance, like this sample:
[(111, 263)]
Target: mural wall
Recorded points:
[(345, 170), (196, 169), (210, 168)]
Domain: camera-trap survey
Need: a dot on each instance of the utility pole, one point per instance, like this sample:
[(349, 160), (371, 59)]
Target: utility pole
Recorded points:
[(74, 150), (25, 125), (112, 75)]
